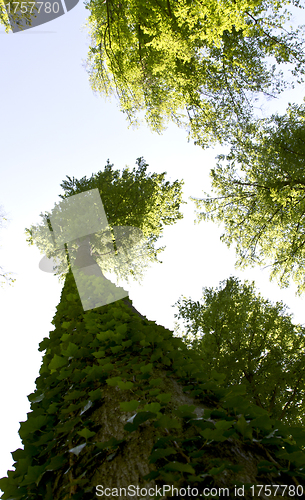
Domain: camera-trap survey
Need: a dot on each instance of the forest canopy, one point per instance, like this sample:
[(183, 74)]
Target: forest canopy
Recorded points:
[(251, 341), (199, 64), (258, 193), (131, 199)]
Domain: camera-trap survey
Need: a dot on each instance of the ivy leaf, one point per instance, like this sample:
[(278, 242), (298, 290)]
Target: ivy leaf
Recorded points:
[(217, 470), (116, 349), (113, 382), (138, 419), (97, 394), (155, 382), (146, 368), (56, 462), (160, 453), (33, 475), (99, 354), (156, 354), (129, 405), (223, 425), (57, 362), (167, 422), (85, 433), (243, 427), (153, 407), (177, 466), (185, 411), (165, 360), (71, 350), (164, 398), (125, 385), (65, 325)]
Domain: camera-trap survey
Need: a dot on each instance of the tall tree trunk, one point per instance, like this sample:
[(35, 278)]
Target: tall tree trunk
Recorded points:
[(121, 403)]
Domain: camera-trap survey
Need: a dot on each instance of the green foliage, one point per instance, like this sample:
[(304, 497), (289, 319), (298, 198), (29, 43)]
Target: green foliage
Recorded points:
[(253, 343), (260, 196), (199, 64), (62, 434), (130, 198)]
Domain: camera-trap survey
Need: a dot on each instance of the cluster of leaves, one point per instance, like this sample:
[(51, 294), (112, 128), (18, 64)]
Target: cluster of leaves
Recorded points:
[(199, 64), (130, 198), (109, 346), (251, 341), (260, 196)]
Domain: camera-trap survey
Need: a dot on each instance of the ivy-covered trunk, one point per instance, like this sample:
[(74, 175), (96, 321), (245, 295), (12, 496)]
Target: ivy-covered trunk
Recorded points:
[(122, 404)]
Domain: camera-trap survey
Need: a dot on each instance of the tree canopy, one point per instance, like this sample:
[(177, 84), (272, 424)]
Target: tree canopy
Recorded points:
[(253, 342), (260, 196), (134, 199), (116, 392), (199, 64)]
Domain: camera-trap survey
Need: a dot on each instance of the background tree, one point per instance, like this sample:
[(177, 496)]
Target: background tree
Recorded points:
[(119, 401), (130, 198), (260, 196), (4, 276), (199, 64), (253, 342)]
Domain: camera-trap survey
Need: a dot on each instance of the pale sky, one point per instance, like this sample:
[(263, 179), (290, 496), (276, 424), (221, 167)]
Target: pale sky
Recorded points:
[(52, 125)]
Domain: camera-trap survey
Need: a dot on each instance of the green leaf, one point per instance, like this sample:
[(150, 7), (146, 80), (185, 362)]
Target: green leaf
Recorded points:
[(138, 419), (223, 425), (243, 427), (94, 395), (32, 424), (116, 349), (99, 354), (164, 398), (129, 405), (74, 395), (157, 353), (185, 411), (155, 382), (86, 433), (217, 470), (113, 382), (146, 368), (121, 328), (57, 462), (177, 466), (213, 435), (125, 385), (167, 422), (262, 423), (161, 453), (165, 360), (65, 325), (153, 407), (33, 475), (57, 362)]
